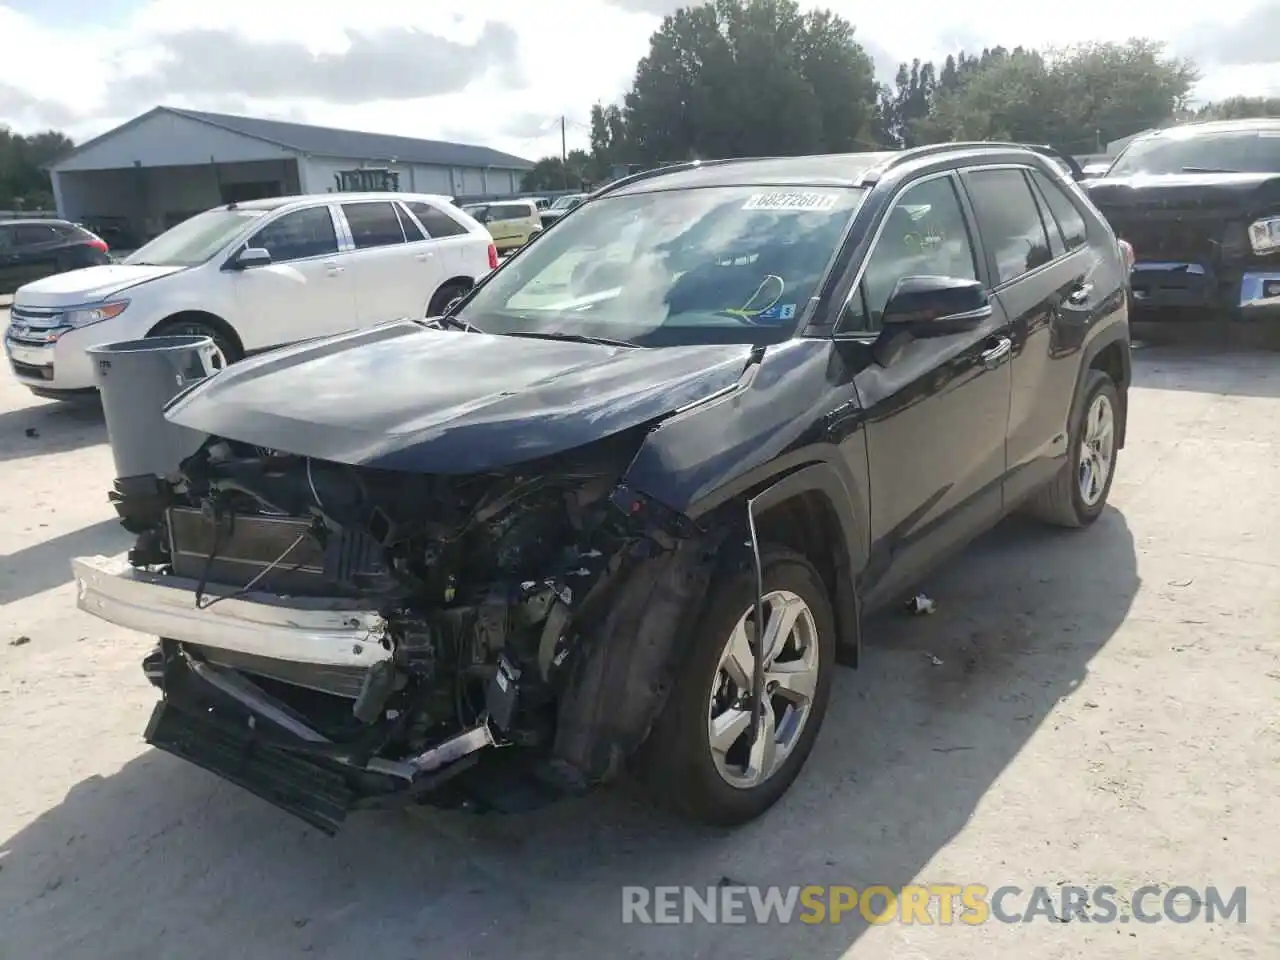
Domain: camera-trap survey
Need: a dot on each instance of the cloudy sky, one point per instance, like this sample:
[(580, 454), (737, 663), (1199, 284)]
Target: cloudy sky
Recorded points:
[(497, 72)]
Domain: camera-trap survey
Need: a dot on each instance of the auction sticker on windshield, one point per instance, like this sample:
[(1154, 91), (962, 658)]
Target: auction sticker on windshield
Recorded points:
[(790, 200)]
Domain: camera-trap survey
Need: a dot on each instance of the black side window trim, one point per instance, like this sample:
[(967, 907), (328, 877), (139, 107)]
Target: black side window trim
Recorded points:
[(1046, 215), (407, 221)]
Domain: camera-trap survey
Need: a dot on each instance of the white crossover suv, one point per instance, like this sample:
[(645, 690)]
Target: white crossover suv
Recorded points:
[(253, 276)]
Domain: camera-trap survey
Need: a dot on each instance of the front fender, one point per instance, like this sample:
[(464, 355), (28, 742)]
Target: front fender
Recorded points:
[(848, 547), (774, 420), (625, 662)]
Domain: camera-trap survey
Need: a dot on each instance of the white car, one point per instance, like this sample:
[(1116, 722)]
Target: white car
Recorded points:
[(253, 276)]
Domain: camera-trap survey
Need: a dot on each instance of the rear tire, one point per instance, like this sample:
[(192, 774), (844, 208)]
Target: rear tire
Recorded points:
[(730, 785), (228, 350), (445, 296), (1078, 494)]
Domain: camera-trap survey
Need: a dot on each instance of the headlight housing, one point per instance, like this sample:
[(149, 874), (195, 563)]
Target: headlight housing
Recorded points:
[(1264, 235), (84, 316)]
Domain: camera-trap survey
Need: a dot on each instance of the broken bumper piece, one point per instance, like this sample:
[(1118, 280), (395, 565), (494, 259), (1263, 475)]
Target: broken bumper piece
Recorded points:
[(218, 718), (221, 721), (329, 633)]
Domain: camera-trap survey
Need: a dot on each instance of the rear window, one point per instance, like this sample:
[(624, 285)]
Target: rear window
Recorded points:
[(1236, 151), (437, 222), (509, 211)]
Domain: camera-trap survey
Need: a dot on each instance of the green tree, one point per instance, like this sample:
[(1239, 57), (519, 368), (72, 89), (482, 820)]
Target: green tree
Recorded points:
[(552, 173), (1074, 99), (610, 146), (749, 78), (906, 106), (1238, 108), (24, 184), (1110, 90)]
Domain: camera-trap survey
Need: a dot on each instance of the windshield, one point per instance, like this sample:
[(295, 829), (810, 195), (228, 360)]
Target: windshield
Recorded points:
[(706, 265), (194, 240), (1236, 151), (477, 210), (565, 203)]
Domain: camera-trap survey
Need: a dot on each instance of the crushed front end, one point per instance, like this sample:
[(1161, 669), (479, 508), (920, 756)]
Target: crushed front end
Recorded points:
[(1206, 245), (335, 637)]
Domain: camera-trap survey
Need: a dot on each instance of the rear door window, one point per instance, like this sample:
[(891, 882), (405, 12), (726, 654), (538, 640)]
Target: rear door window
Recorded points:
[(1065, 213), (298, 235), (373, 224), (438, 223), (1009, 221), (34, 234)]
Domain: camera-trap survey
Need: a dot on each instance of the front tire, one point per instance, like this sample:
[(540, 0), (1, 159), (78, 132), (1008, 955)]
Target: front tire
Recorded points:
[(228, 352), (1078, 495), (699, 759)]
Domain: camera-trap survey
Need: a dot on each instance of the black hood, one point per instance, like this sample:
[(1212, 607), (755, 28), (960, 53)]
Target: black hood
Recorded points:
[(1225, 193), (407, 397)]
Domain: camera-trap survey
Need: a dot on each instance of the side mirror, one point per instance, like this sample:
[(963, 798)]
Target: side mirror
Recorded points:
[(936, 306), (251, 257)]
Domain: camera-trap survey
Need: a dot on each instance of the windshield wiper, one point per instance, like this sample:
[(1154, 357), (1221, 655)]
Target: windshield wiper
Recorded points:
[(573, 338), (449, 320), (1208, 170)]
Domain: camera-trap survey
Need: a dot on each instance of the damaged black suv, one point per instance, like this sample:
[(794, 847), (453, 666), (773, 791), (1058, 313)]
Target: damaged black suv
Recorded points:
[(626, 504)]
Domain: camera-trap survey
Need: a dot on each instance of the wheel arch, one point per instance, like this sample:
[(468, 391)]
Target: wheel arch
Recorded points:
[(630, 654), (1110, 354), (456, 282), (810, 511), (207, 318)]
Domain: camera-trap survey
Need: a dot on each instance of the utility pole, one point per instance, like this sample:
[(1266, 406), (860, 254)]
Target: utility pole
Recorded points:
[(564, 155)]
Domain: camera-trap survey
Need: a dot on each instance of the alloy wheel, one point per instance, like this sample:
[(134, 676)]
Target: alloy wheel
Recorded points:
[(791, 665), (1097, 450)]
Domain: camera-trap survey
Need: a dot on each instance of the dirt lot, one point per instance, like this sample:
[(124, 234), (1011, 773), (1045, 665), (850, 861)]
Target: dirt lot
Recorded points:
[(1096, 708)]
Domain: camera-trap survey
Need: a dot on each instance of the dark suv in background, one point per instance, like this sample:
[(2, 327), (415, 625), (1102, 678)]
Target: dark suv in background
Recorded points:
[(1200, 204), (628, 500), (31, 249)]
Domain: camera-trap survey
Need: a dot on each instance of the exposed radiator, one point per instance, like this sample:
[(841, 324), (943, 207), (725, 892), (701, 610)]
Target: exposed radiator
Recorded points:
[(288, 555)]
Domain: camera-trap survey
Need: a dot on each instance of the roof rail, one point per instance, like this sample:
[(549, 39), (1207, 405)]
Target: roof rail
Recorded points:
[(928, 150), (670, 168), (631, 178)]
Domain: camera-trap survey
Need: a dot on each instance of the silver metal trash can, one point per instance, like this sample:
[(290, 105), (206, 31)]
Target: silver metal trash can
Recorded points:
[(136, 378)]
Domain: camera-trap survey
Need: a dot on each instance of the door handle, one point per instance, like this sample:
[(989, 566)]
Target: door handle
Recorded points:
[(1080, 294), (333, 269), (422, 257), (998, 354)]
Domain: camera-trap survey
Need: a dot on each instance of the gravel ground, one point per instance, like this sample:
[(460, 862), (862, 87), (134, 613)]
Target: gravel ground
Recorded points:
[(1090, 708)]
